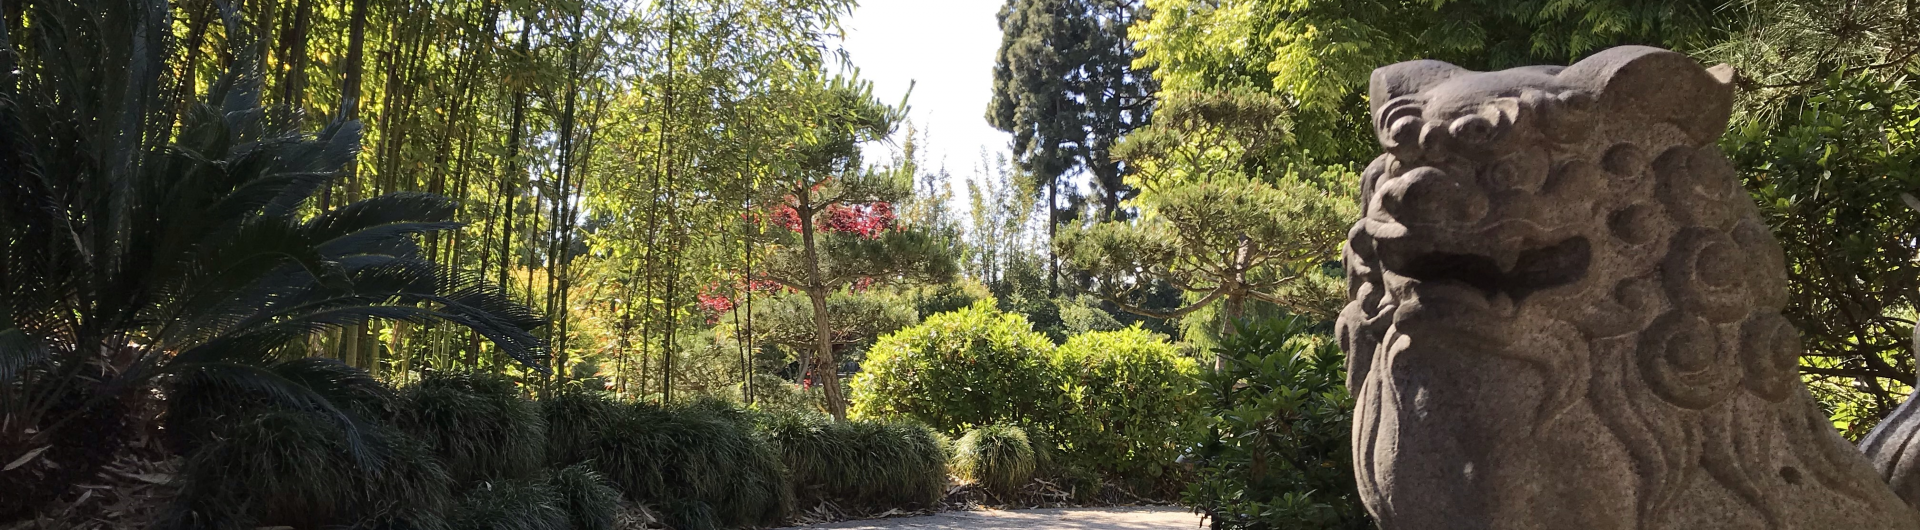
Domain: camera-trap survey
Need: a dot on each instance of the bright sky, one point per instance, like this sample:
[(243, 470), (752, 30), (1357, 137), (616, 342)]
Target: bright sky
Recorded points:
[(944, 49)]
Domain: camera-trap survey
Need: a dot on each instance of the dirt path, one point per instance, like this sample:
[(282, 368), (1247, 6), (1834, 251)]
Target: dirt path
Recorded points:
[(1147, 518)]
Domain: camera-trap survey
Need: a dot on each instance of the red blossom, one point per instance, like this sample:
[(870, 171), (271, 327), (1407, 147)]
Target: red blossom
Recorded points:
[(866, 220), (716, 299)]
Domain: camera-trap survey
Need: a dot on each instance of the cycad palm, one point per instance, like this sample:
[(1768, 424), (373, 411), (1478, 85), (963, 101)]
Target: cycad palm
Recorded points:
[(135, 250)]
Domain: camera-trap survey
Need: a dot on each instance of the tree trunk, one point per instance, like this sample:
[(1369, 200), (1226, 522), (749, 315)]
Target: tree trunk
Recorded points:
[(1233, 308), (293, 54), (817, 291), (350, 344), (1053, 259), (1236, 303), (827, 371), (350, 94)]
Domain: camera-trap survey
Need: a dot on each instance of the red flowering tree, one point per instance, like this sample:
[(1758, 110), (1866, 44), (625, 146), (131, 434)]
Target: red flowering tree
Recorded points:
[(830, 220)]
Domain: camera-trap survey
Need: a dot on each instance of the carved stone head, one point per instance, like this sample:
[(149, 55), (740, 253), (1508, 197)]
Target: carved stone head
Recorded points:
[(1565, 312)]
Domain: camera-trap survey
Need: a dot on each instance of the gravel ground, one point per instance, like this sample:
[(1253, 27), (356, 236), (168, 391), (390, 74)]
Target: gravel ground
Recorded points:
[(1143, 518)]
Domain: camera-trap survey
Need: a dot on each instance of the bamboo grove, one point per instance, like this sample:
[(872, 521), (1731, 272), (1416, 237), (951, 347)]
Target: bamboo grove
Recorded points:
[(611, 161)]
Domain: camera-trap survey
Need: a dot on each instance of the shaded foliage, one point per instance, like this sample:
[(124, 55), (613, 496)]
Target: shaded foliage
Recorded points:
[(1276, 452), (701, 464), (144, 242), (478, 423), (511, 504)]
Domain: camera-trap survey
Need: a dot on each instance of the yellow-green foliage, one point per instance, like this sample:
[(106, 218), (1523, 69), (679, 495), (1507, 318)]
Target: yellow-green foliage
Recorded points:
[(961, 369), (1133, 397), (995, 456)]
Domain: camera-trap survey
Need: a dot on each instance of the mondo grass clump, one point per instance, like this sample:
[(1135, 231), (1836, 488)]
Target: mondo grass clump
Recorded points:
[(291, 468), (861, 466), (590, 502), (251, 459), (478, 424), (513, 504), (997, 457), (701, 464)]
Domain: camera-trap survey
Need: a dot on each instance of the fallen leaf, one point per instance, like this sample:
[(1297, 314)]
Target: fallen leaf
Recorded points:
[(83, 500), (25, 458), (151, 478)]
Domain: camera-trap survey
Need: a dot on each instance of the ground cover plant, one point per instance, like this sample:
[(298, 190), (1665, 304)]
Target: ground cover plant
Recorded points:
[(998, 457), (861, 466), (700, 464), (479, 424)]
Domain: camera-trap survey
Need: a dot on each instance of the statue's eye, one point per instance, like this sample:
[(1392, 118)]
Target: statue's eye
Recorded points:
[(1472, 129), (1405, 131)]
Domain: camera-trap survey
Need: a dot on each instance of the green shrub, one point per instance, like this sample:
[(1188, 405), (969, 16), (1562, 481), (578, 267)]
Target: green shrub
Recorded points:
[(590, 502), (1133, 397), (1276, 450), (961, 369), (511, 504), (701, 464), (772, 393), (998, 457), (477, 423), (866, 466)]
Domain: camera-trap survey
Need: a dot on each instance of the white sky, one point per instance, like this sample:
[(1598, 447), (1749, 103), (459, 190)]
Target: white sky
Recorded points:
[(944, 49)]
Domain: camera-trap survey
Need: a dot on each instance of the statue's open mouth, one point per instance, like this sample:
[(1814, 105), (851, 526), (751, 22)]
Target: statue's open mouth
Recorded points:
[(1537, 269)]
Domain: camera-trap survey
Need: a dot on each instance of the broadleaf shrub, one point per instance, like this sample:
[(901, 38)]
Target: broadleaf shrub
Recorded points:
[(864, 466), (1133, 399), (962, 369), (1276, 452), (1111, 403), (998, 457)]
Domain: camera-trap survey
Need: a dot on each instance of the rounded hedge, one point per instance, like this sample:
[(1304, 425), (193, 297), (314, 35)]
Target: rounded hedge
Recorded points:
[(967, 368), (997, 457), (1134, 395)]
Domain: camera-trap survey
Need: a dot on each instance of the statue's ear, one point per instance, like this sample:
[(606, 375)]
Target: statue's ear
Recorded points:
[(1657, 85), (1407, 78)]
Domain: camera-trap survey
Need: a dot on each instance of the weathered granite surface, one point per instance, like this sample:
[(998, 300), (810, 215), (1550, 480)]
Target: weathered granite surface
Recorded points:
[(1565, 313)]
